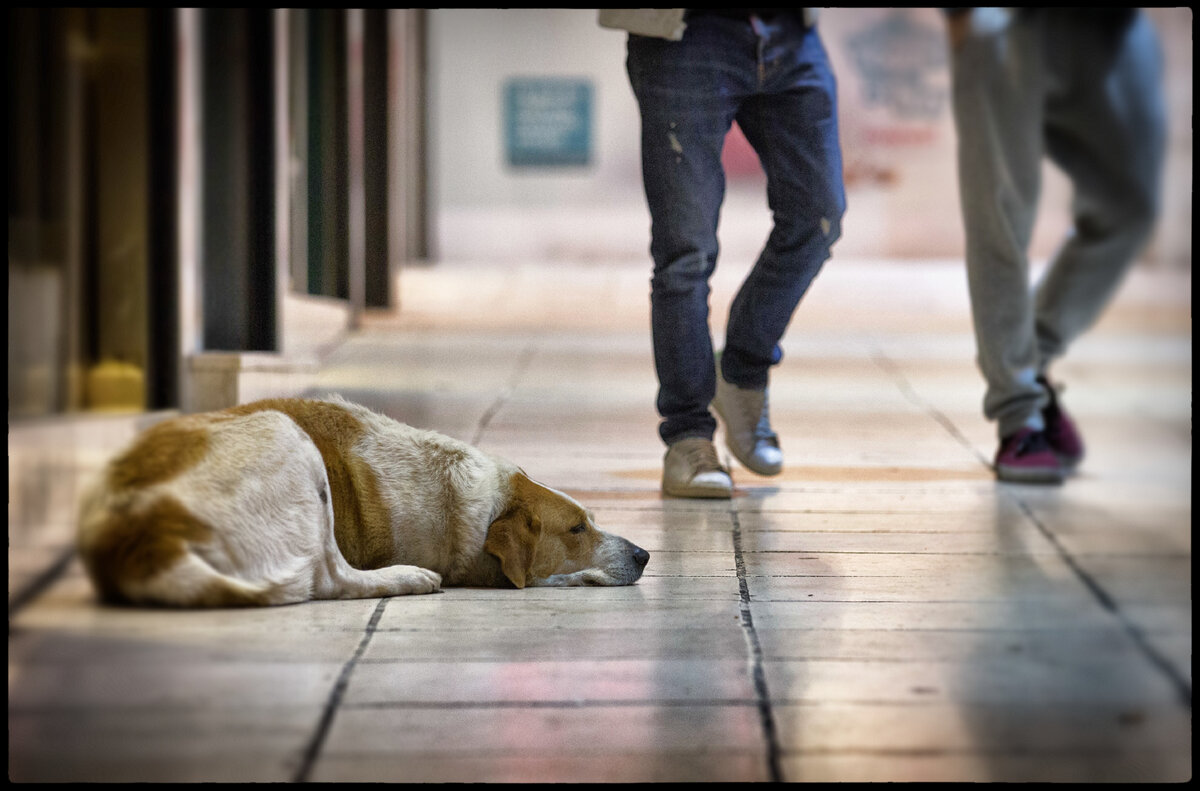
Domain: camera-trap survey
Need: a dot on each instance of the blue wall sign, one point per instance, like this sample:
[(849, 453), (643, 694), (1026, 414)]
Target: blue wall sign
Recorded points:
[(548, 121)]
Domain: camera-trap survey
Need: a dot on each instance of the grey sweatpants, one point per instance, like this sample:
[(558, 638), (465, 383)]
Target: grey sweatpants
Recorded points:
[(1083, 87)]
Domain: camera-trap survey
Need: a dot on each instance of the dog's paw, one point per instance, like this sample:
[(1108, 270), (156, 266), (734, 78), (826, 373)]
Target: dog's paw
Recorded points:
[(414, 579), (428, 581)]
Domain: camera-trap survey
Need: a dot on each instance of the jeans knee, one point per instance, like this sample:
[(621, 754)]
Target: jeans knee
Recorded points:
[(683, 274), (813, 229), (831, 222)]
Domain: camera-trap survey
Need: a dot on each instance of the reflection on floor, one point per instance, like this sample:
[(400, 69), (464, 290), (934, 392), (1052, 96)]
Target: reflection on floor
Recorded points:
[(884, 610)]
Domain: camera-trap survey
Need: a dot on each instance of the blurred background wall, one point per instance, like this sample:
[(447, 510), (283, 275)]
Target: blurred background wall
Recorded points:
[(896, 127)]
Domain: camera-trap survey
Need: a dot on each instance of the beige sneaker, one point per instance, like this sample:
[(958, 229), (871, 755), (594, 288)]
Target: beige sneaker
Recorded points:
[(691, 469)]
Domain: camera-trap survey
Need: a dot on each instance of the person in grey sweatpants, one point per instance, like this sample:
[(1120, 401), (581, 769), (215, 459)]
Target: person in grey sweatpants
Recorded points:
[(1083, 87)]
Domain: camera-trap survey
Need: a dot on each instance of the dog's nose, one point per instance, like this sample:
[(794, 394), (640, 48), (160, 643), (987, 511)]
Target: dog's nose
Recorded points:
[(641, 557)]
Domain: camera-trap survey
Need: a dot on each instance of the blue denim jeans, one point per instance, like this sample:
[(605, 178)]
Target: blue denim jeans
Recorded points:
[(774, 78)]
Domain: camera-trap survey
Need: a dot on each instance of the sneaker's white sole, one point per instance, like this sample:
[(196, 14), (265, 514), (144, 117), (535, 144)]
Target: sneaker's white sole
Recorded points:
[(1017, 475), (698, 492), (750, 465)]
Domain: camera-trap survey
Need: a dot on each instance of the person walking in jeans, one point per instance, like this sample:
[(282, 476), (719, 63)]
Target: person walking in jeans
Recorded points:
[(1084, 87), (694, 72)]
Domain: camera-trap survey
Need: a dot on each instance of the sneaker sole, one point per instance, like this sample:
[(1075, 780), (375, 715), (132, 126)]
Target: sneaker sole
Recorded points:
[(698, 492), (1025, 475), (764, 471), (1069, 463)]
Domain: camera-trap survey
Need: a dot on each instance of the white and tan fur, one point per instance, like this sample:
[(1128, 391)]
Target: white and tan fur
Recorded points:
[(287, 500)]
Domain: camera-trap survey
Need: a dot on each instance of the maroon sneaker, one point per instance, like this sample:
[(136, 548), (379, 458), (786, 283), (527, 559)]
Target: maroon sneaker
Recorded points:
[(1026, 457), (1061, 433)]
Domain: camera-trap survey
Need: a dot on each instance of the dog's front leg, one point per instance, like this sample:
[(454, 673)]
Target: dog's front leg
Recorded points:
[(335, 578), (347, 582)]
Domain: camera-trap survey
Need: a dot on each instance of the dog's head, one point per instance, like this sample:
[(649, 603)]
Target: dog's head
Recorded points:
[(544, 538)]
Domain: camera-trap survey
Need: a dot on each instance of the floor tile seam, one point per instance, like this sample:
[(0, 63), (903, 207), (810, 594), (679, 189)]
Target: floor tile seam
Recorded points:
[(1064, 629), (40, 583), (894, 370), (563, 703), (754, 658), (1110, 604), (524, 360), (313, 749), (595, 750), (999, 655), (652, 754), (658, 659), (620, 628), (680, 657), (574, 659), (156, 710)]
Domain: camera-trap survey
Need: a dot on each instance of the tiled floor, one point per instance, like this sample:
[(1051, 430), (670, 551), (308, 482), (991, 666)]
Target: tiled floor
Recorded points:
[(883, 610)]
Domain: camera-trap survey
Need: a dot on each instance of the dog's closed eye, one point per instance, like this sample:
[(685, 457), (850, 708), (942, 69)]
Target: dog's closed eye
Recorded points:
[(579, 528)]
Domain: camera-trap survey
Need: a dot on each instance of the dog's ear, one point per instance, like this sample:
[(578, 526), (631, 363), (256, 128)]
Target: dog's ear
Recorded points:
[(512, 538)]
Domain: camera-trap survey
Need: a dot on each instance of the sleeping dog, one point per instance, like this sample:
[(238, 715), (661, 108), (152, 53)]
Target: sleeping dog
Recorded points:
[(288, 500)]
